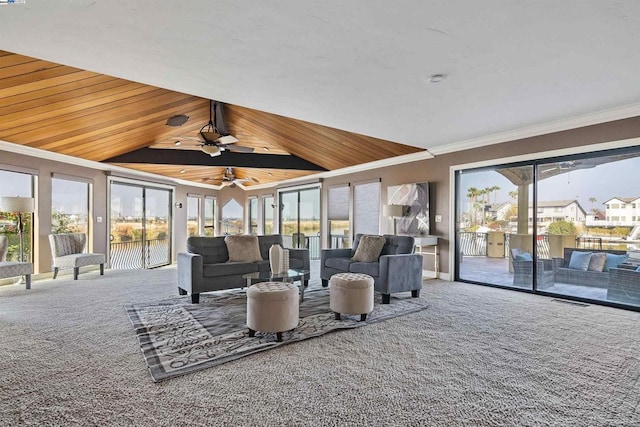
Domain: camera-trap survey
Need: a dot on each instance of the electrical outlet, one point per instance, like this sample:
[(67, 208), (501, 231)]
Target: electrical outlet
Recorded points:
[(98, 219), (438, 218)]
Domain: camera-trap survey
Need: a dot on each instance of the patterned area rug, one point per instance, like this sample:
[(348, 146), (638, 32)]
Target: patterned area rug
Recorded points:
[(177, 337)]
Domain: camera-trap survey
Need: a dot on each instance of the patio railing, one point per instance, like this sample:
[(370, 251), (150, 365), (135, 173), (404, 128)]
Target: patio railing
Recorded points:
[(130, 255), (475, 244)]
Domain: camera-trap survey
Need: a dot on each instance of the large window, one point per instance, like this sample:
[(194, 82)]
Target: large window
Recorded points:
[(366, 208), (300, 219), (584, 246), (268, 207), (338, 216), (209, 216), (69, 206), (232, 222), (193, 215), (253, 216), (16, 184)]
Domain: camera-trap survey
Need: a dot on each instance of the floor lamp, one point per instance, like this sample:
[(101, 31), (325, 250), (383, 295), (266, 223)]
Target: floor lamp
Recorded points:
[(18, 205), (393, 211)]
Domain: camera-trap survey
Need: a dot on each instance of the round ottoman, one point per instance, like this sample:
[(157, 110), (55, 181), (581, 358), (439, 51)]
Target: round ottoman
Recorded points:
[(351, 293), (272, 307)]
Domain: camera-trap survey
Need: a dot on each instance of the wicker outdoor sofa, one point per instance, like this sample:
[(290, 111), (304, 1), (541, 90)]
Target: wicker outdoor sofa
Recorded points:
[(564, 274)]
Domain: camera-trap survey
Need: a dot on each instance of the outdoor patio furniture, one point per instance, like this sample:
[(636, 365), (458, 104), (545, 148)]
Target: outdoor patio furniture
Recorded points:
[(624, 285), (523, 273), (566, 275)]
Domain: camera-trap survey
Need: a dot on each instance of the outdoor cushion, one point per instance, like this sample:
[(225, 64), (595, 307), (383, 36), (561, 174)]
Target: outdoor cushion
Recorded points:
[(596, 262), (580, 260), (614, 261), (369, 248), (524, 257), (243, 248)]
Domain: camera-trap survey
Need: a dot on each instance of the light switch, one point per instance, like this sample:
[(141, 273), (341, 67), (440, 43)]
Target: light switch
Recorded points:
[(438, 218), (98, 219)]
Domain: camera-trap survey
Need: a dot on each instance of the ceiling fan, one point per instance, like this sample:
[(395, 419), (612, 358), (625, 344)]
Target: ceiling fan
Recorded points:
[(214, 138), (228, 177)]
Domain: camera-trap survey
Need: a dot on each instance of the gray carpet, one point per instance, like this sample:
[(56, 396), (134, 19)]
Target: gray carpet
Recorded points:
[(477, 356), (178, 337)]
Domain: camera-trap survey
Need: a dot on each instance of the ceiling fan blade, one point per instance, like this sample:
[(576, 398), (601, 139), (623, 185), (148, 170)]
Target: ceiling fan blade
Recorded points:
[(186, 138), (239, 148), (226, 139)]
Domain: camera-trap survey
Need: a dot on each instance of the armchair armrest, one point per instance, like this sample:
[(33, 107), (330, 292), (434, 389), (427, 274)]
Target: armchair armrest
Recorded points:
[(302, 254), (190, 271), (334, 253), (557, 262), (401, 272)]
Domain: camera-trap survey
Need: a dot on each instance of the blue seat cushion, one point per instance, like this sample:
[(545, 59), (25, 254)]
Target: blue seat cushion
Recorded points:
[(524, 257), (614, 261), (579, 260)]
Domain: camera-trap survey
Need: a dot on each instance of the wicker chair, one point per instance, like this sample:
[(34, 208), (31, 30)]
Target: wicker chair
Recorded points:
[(624, 285), (523, 272)]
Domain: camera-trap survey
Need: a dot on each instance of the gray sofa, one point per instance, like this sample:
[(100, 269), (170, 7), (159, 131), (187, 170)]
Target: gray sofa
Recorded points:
[(564, 274), (397, 270), (205, 266)]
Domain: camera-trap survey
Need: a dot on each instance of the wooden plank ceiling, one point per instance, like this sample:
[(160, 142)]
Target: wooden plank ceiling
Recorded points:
[(96, 117)]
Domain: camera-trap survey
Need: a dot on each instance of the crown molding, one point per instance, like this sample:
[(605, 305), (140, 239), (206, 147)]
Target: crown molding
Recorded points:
[(590, 119), (63, 158)]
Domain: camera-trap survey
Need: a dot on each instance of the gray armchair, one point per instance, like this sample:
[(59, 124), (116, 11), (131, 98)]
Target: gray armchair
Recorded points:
[(523, 272), (397, 269)]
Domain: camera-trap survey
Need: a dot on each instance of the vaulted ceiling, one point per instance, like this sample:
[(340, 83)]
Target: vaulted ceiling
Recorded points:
[(96, 117), (510, 69)]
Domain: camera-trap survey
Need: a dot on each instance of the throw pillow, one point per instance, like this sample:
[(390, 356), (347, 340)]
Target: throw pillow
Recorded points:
[(579, 260), (524, 257), (369, 248), (614, 261), (596, 262), (243, 248)]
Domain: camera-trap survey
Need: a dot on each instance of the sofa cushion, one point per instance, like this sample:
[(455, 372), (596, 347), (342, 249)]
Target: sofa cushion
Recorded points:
[(396, 245), (212, 249), (370, 268), (614, 261), (369, 248), (266, 242), (341, 264), (596, 262), (579, 260), (243, 248), (229, 269)]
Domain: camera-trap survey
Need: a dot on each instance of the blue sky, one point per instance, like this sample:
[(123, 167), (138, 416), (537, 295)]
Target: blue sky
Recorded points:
[(616, 179)]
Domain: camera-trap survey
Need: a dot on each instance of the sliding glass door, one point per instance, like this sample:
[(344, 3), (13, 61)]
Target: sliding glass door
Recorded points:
[(567, 226), (140, 226), (300, 219)]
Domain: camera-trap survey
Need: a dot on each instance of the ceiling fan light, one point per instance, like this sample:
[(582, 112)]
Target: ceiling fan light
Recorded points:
[(211, 150), (210, 136)]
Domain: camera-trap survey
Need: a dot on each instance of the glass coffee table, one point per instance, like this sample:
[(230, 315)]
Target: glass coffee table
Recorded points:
[(291, 276)]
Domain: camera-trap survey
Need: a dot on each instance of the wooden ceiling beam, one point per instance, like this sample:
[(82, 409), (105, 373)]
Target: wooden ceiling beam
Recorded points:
[(227, 158)]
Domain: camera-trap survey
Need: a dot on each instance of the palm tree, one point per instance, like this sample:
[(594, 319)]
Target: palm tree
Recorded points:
[(472, 194)]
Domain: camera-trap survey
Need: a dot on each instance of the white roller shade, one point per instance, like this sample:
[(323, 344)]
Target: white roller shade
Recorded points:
[(366, 208), (338, 201)]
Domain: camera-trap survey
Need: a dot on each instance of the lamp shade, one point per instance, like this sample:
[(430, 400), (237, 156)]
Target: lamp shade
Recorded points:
[(392, 210), (16, 204)]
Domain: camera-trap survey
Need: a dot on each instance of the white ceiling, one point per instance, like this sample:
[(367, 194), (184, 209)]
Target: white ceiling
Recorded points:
[(360, 65)]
